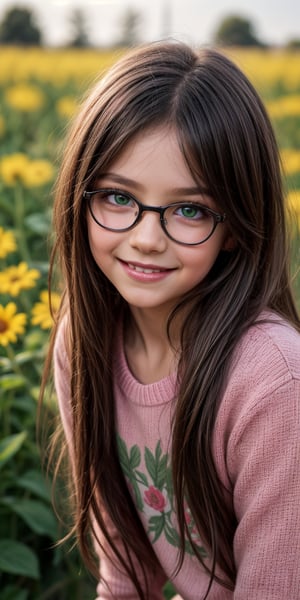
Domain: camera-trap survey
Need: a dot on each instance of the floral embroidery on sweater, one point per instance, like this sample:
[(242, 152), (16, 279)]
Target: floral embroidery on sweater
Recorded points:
[(152, 491)]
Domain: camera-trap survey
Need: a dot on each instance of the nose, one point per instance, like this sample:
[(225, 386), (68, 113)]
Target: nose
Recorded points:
[(148, 235)]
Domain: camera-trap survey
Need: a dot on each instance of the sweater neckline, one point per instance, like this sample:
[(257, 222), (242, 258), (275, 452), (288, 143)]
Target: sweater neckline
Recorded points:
[(156, 393)]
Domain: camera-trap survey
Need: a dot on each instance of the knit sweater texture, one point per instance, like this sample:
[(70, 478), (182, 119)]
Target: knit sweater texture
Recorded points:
[(256, 449)]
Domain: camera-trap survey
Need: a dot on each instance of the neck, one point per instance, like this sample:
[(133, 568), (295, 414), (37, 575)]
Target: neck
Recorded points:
[(150, 354)]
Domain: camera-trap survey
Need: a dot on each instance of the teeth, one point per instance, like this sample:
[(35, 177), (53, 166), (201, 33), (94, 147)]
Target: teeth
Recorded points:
[(141, 270)]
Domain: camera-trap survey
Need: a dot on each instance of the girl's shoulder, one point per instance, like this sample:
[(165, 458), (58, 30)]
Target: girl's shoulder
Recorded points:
[(62, 343), (263, 384), (268, 352)]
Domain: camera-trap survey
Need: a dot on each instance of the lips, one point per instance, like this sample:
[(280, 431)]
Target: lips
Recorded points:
[(145, 272)]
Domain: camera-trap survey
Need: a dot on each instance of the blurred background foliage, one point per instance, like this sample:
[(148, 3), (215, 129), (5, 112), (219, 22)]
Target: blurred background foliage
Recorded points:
[(40, 90)]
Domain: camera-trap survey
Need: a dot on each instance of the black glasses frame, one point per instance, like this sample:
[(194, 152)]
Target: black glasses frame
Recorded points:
[(217, 217)]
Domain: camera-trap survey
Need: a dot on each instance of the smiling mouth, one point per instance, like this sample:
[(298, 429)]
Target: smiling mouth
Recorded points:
[(147, 270)]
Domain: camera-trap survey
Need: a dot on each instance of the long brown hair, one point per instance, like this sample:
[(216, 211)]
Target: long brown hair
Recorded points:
[(227, 141)]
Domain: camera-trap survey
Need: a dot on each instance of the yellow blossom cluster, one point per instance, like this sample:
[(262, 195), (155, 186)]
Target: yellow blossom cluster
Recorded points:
[(7, 242), (12, 323), (13, 280), (66, 106), (54, 65), (42, 311), (24, 97), (16, 278), (265, 68), (284, 106), (293, 201), (290, 160), (19, 168), (2, 126)]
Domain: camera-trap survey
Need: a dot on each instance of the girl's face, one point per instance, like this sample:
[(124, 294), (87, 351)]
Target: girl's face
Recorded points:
[(148, 269)]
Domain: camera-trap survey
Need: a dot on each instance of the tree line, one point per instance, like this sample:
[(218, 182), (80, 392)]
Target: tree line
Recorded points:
[(19, 26)]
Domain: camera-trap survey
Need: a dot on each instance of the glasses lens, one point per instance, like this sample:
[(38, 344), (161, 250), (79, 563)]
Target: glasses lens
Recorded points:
[(113, 210), (189, 223)]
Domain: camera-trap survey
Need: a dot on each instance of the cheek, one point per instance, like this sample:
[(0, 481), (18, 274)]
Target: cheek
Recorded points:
[(203, 257), (102, 243)]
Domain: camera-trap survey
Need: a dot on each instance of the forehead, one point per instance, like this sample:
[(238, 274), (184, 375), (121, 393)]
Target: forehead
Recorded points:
[(154, 155)]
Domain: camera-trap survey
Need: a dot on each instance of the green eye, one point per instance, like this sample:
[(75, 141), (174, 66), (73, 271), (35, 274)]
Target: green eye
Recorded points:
[(190, 211), (121, 200)]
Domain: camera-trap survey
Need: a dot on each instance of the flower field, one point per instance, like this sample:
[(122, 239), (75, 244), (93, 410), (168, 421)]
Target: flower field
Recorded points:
[(39, 93)]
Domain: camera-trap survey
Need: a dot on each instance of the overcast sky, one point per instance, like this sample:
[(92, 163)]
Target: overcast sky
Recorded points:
[(193, 21)]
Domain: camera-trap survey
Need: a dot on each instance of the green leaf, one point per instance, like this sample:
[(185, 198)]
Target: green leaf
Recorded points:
[(135, 457), (35, 482), (36, 515), (10, 445), (18, 559), (12, 592), (12, 382), (38, 223)]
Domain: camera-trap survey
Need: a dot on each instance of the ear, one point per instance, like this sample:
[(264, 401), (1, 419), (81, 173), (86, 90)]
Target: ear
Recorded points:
[(229, 243)]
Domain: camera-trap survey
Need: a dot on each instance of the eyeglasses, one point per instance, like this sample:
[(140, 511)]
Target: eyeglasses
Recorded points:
[(187, 223)]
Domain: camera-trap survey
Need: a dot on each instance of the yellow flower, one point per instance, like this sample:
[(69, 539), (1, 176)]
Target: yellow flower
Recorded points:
[(66, 106), (38, 172), (2, 126), (41, 314), (24, 97), (17, 278), (290, 160), (11, 323), (7, 242), (293, 201), (13, 167), (286, 106)]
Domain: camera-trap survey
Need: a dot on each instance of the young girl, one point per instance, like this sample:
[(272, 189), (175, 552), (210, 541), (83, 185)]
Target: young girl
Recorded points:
[(177, 348)]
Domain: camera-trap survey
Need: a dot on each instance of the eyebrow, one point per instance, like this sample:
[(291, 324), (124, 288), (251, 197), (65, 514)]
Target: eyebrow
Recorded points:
[(187, 191)]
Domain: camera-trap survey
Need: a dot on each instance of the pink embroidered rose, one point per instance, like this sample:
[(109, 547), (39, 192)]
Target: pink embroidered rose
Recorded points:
[(188, 517), (154, 498)]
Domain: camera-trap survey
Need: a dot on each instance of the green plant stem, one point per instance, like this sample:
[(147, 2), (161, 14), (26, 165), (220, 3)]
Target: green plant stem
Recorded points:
[(12, 357), (52, 591), (19, 223), (26, 304)]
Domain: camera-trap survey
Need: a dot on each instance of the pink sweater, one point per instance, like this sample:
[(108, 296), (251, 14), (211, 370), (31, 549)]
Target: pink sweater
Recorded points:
[(256, 448)]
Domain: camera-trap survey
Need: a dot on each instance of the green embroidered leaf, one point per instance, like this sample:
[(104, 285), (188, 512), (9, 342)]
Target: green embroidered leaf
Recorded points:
[(124, 458), (157, 451), (151, 464), (135, 457), (156, 526), (172, 535), (188, 548), (138, 495), (156, 465), (141, 478), (161, 474), (169, 486)]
